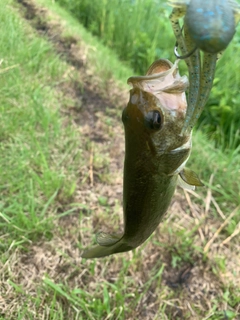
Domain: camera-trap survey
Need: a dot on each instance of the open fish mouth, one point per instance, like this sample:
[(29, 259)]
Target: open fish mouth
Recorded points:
[(164, 82)]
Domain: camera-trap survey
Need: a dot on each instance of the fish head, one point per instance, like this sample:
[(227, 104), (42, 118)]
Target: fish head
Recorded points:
[(154, 117)]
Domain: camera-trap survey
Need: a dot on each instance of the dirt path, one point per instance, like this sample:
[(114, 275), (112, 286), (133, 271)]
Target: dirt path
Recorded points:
[(191, 284)]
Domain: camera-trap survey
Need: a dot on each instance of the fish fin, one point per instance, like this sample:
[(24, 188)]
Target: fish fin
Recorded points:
[(103, 251), (184, 184), (104, 239), (190, 177)]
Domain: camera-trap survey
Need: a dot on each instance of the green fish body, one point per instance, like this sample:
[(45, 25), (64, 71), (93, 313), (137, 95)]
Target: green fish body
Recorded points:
[(155, 156)]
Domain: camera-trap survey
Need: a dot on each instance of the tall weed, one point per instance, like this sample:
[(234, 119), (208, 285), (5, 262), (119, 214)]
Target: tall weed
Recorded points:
[(135, 29)]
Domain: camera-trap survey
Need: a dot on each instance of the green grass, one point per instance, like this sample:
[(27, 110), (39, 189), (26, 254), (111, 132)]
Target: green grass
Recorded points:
[(221, 117), (131, 28), (107, 65), (49, 211), (32, 162), (207, 160), (136, 30)]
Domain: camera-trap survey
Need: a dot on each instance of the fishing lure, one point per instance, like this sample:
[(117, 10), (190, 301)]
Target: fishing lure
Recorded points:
[(208, 26), (155, 156)]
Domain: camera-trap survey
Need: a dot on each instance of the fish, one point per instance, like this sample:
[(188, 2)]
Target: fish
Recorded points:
[(155, 156), (208, 26)]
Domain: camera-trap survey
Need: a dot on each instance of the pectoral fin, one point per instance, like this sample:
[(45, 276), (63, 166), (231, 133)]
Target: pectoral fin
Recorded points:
[(189, 179), (104, 239), (184, 185)]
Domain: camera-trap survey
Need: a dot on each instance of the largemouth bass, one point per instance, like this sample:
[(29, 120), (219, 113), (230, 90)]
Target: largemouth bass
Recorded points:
[(155, 156)]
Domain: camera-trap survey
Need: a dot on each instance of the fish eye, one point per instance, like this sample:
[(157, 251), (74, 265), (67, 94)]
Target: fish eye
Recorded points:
[(153, 120)]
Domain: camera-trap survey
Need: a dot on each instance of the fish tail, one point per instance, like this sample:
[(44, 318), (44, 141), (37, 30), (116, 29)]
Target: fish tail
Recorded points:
[(103, 251)]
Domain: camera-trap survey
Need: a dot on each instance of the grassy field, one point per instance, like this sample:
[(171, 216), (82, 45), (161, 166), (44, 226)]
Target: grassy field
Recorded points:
[(62, 94)]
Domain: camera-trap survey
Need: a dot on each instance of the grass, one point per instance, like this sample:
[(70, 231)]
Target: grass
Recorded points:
[(61, 182), (131, 28), (30, 128), (223, 166)]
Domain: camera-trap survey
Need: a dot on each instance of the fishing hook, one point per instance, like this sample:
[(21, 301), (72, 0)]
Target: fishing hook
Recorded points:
[(185, 56)]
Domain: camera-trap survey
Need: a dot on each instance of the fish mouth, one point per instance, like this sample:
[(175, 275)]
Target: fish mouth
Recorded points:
[(164, 82)]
